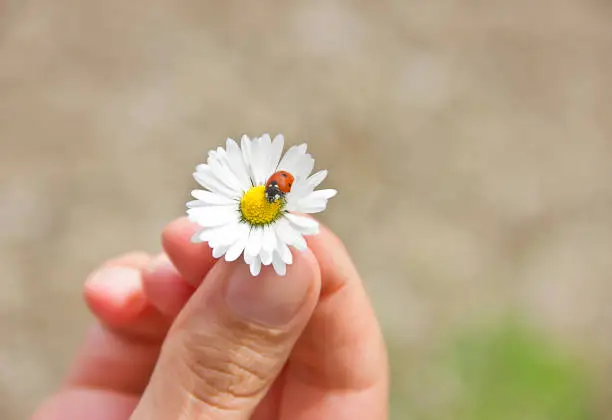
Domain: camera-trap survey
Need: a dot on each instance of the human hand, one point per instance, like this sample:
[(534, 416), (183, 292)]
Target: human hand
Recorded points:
[(189, 337)]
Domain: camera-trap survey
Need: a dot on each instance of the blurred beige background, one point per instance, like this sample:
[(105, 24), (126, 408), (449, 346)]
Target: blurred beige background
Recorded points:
[(471, 143)]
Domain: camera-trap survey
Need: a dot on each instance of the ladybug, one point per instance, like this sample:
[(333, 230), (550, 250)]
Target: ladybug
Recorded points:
[(278, 185)]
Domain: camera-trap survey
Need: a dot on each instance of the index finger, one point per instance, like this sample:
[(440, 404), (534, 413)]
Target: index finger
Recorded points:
[(339, 366), (192, 260)]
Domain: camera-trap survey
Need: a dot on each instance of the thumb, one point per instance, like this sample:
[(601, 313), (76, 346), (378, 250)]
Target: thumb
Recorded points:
[(230, 342)]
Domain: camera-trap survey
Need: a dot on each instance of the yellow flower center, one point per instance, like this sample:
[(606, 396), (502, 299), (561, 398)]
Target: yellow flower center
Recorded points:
[(255, 208)]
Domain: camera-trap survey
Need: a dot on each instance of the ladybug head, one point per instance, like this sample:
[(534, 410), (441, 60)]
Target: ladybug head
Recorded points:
[(273, 192)]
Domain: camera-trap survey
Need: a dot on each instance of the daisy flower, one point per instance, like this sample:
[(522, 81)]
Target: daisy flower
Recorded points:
[(250, 199)]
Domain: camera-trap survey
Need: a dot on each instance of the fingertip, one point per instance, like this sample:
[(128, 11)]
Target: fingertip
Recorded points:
[(136, 259), (269, 298), (115, 293), (337, 268), (304, 264), (159, 264), (164, 286), (192, 260), (306, 267)]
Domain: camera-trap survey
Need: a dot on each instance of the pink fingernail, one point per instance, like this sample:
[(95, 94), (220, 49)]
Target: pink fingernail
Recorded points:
[(121, 285), (268, 299)]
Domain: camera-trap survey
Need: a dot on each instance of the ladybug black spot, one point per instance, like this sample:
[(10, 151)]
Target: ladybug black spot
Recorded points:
[(284, 175)]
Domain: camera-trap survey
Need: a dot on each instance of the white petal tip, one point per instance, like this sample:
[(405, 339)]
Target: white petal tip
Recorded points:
[(300, 247), (218, 252), (231, 258)]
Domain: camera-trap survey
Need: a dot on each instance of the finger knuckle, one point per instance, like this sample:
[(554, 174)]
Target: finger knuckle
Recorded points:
[(232, 367)]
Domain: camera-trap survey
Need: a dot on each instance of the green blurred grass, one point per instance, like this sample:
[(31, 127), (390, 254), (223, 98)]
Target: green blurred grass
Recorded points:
[(504, 372)]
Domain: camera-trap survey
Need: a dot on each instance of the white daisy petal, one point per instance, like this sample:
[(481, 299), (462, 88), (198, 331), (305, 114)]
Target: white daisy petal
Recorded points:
[(246, 148), (266, 140), (257, 161), (206, 178), (311, 207), (266, 256), (207, 197), (300, 244), (268, 243), (254, 242), (215, 154), (196, 203), (212, 216), (266, 155), (219, 251), (285, 232), (269, 239), (204, 235), (255, 267), (276, 151), (225, 175), (311, 202), (299, 190), (219, 235), (254, 159), (289, 235), (321, 194), (284, 252), (236, 164), (279, 265), (304, 225), (315, 180), (226, 235), (304, 166), (220, 157), (291, 159), (195, 238), (237, 247)]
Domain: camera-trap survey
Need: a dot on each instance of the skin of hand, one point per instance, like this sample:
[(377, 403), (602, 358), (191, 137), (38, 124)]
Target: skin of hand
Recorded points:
[(184, 336)]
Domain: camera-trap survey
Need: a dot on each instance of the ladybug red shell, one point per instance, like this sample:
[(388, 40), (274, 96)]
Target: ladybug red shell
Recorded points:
[(278, 185)]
